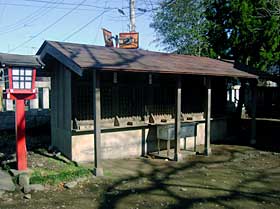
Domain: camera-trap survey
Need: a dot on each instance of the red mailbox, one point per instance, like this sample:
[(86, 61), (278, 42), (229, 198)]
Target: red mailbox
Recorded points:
[(19, 77)]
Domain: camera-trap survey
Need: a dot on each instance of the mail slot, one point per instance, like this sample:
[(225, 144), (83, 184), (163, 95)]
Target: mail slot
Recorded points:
[(167, 131)]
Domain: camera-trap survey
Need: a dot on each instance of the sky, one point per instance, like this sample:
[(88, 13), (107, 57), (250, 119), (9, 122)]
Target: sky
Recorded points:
[(25, 24)]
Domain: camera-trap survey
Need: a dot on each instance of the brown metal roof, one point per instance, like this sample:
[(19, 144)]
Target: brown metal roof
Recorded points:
[(81, 56)]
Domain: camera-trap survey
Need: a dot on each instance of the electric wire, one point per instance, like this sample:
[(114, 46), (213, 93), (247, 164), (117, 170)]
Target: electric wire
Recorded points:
[(101, 20), (78, 6), (84, 26), (58, 8), (97, 32), (3, 10), (48, 27), (16, 23), (29, 21), (72, 4)]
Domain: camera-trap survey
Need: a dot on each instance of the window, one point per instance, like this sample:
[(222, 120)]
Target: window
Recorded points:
[(22, 78), (6, 79)]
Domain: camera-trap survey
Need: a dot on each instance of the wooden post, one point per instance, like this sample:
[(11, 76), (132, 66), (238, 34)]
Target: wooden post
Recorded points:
[(253, 116), (98, 170), (241, 101), (1, 98), (207, 112), (9, 105), (177, 153), (34, 103), (150, 94), (46, 98), (143, 143), (115, 92)]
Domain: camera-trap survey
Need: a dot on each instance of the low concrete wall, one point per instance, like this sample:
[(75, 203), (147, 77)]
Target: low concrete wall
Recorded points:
[(126, 143), (117, 144), (34, 118)]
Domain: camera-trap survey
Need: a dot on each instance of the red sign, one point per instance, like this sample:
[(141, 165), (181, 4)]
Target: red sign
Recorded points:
[(129, 40)]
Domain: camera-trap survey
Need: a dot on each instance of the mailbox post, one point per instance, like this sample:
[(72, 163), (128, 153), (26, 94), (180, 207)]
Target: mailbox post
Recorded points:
[(19, 77)]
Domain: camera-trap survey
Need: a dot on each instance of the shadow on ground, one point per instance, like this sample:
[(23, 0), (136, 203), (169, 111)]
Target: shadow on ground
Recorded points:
[(36, 139), (229, 181)]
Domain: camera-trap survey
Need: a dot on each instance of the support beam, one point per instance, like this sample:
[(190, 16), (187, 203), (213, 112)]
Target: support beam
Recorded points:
[(98, 170), (253, 85), (207, 112), (115, 92), (9, 105), (20, 134), (150, 96), (1, 97), (34, 103), (177, 153), (238, 114), (46, 98), (241, 101)]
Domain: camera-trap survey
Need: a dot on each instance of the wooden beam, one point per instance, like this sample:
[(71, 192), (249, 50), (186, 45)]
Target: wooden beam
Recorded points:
[(46, 98), (177, 153), (150, 96), (98, 170), (115, 92), (207, 112), (241, 101), (253, 85)]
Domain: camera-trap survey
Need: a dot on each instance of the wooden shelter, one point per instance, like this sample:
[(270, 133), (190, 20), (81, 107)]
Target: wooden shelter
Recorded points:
[(121, 96)]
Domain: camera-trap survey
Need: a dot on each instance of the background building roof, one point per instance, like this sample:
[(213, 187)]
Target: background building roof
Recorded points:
[(20, 60)]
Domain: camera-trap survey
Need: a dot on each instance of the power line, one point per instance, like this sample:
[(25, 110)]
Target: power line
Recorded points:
[(27, 21), (84, 26), (97, 32), (72, 4), (3, 10), (34, 13), (48, 27), (60, 8)]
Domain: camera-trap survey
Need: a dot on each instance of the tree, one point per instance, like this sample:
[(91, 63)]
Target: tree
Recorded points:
[(182, 27), (245, 30)]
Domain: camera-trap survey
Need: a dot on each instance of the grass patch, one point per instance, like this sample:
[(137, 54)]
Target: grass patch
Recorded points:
[(6, 167), (108, 173), (61, 172)]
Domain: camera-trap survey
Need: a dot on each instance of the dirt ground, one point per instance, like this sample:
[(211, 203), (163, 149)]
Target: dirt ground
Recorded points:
[(232, 177)]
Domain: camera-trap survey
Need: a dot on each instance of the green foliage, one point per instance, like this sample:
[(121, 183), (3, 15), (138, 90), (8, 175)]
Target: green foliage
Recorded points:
[(245, 30), (182, 26)]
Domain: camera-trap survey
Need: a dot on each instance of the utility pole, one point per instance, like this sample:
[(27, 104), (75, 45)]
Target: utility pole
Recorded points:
[(132, 25)]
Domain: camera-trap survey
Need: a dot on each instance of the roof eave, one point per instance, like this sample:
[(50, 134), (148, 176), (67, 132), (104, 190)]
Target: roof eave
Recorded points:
[(47, 48), (245, 75)]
